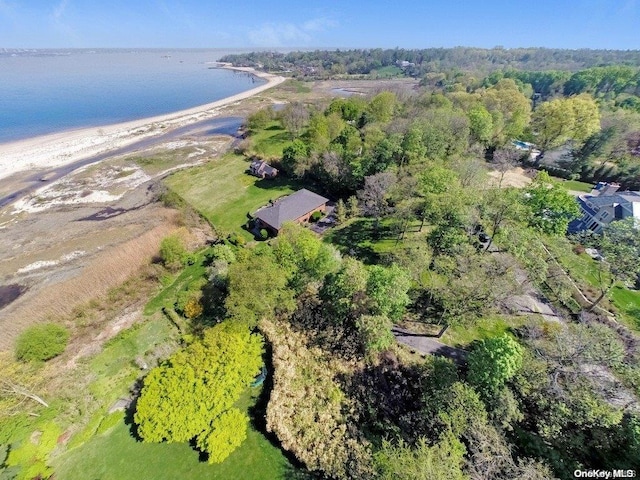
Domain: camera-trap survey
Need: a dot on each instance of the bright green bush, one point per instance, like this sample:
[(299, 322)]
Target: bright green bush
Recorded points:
[(41, 342), (173, 251), (191, 395), (315, 216)]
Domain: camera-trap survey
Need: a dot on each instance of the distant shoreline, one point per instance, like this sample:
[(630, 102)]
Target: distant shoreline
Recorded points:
[(58, 149)]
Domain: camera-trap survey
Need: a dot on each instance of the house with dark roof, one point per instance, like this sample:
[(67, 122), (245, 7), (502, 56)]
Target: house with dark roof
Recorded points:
[(605, 204), (297, 207), (262, 169)]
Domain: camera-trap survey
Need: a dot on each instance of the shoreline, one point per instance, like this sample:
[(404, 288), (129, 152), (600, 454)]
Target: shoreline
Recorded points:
[(59, 149)]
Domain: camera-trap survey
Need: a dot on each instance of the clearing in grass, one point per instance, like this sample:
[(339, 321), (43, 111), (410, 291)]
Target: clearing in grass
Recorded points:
[(224, 193)]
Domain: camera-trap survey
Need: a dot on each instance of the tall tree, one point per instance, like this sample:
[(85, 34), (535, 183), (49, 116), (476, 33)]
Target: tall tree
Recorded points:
[(374, 196), (481, 124), (492, 363), (258, 287), (344, 292), (562, 119), (500, 207), (191, 395), (387, 287), (294, 118), (552, 208), (382, 107), (303, 255)]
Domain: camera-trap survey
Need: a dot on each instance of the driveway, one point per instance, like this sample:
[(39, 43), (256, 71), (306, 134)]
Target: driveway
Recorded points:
[(427, 345)]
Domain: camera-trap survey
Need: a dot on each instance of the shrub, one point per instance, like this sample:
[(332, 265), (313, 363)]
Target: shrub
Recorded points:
[(264, 233), (41, 342), (578, 249), (172, 251), (191, 396), (315, 216), (221, 251), (237, 240)]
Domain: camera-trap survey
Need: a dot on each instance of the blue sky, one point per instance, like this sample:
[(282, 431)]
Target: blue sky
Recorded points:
[(612, 24)]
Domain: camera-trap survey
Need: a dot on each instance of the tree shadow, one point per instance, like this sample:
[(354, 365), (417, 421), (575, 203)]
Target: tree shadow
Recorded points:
[(357, 238), (130, 410), (389, 398), (282, 181), (258, 418)]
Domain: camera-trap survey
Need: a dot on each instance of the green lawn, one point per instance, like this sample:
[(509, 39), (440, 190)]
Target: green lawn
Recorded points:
[(224, 193), (628, 303), (463, 335), (584, 271), (390, 71), (575, 185), (358, 237), (116, 455), (169, 293), (270, 141)]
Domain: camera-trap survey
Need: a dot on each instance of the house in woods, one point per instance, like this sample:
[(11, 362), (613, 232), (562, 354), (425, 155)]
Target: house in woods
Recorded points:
[(604, 205), (262, 169), (297, 207)]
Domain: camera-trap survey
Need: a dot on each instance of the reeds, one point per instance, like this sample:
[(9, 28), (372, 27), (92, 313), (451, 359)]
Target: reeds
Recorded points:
[(64, 300)]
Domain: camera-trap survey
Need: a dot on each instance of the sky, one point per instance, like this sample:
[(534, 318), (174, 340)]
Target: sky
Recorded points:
[(608, 24)]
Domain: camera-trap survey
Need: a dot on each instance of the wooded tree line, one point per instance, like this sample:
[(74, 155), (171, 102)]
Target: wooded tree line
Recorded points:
[(611, 78), (323, 63), (413, 163)]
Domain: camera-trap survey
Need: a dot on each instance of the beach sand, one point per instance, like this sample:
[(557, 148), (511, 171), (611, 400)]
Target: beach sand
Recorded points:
[(55, 150)]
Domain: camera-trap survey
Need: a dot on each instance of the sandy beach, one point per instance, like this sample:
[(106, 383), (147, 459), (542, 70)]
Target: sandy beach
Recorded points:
[(55, 150)]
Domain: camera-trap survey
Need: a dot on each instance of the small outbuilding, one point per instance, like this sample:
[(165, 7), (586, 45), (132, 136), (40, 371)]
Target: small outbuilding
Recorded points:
[(297, 207), (262, 169)]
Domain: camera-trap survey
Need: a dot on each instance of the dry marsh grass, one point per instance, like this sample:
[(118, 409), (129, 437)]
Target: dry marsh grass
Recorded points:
[(109, 269)]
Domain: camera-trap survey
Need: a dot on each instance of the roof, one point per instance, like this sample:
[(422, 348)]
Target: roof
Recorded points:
[(620, 198), (263, 167), (290, 208)]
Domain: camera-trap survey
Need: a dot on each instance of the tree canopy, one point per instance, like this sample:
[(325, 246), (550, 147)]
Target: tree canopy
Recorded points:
[(552, 208), (191, 394)]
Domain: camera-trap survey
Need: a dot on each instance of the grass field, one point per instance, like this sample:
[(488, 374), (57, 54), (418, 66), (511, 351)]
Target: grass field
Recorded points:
[(584, 271), (390, 71), (359, 238), (269, 142), (223, 193), (575, 185), (463, 335), (168, 294), (116, 455), (628, 303)]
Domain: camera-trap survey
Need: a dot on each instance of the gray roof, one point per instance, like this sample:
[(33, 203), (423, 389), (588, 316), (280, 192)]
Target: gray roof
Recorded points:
[(290, 208), (263, 167), (618, 197)]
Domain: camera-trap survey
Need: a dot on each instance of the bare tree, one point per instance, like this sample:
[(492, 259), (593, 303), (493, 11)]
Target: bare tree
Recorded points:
[(504, 160), (294, 117), (373, 197)]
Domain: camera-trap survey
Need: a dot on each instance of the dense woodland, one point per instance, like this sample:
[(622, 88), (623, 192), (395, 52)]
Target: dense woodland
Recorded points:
[(412, 167), (425, 236), (433, 60)]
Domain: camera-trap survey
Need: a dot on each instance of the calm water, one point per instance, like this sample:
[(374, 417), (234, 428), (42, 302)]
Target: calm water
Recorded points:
[(50, 91)]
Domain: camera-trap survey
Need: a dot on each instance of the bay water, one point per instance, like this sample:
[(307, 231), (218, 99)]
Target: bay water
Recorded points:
[(49, 91)]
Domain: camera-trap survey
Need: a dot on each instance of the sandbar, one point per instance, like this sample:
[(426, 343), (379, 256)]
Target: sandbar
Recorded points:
[(58, 149)]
